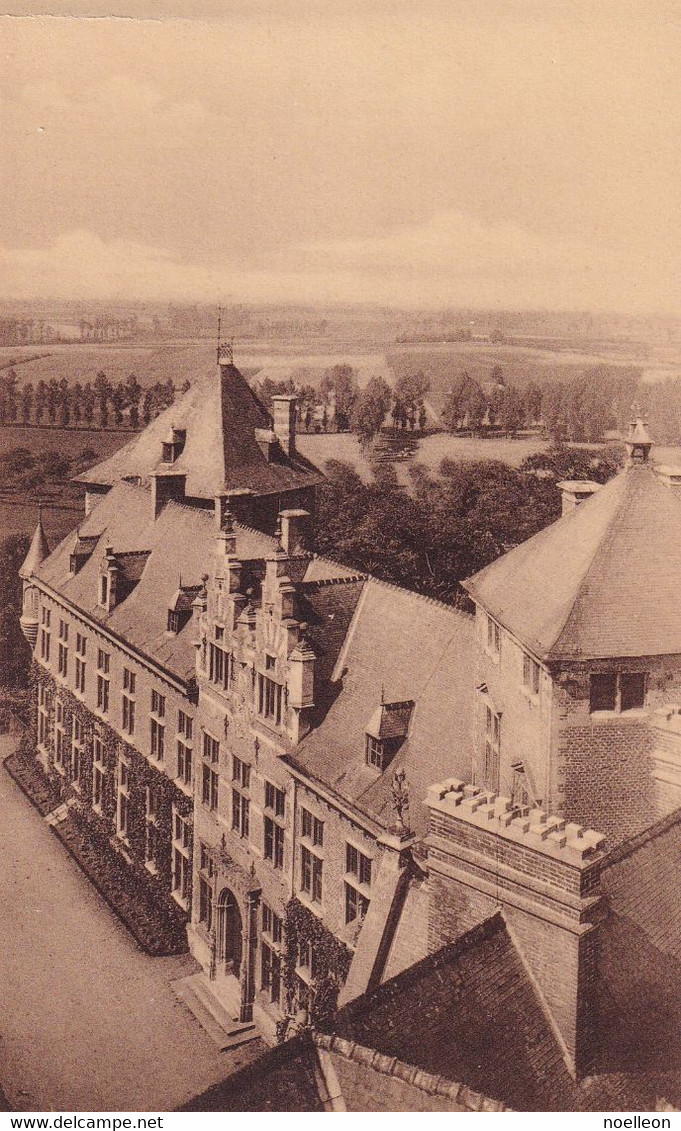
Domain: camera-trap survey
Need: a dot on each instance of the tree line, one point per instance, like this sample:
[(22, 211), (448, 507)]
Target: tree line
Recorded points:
[(452, 522), (101, 403)]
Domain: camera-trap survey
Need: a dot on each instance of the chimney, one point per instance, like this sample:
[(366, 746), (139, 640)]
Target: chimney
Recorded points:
[(296, 531), (543, 874), (164, 488), (284, 421), (574, 492), (670, 475)]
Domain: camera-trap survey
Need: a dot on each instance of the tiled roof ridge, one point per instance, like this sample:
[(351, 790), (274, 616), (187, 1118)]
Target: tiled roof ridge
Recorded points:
[(420, 596), (322, 582), (409, 1073), (640, 840)]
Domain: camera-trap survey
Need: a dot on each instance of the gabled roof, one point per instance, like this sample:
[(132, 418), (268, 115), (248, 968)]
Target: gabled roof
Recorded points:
[(600, 581), (179, 543), (404, 648), (220, 414)]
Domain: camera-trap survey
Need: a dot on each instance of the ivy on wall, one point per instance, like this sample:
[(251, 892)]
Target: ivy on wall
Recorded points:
[(303, 929), (100, 827)]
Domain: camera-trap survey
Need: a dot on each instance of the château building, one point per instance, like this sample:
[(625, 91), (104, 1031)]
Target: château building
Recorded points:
[(354, 797)]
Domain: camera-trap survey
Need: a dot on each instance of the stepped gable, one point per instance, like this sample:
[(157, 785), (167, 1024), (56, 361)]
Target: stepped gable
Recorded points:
[(219, 414), (155, 553), (599, 582), (400, 647)]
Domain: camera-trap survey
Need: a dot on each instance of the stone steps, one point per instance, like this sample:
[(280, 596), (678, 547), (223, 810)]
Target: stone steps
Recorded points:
[(221, 1024)]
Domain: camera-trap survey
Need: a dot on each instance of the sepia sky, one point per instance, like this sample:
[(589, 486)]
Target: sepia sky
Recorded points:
[(503, 153)]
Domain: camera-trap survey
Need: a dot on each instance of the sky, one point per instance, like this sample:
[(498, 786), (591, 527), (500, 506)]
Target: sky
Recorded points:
[(497, 153)]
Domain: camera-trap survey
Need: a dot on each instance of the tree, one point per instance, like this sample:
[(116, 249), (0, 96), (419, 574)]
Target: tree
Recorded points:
[(88, 403), (15, 654), (370, 409), (411, 389), (340, 384), (26, 403), (512, 410)]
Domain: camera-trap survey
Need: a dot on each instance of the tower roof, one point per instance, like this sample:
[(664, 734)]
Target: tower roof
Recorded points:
[(220, 414), (601, 581), (37, 551)]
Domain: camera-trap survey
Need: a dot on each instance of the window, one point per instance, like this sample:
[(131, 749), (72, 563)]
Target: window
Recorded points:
[(210, 771), (492, 744), (274, 842), (61, 746), (531, 671), (493, 637), (43, 717), (617, 691), (270, 980), (77, 752), (63, 651), (45, 616), (128, 701), (219, 664), (98, 774), (358, 877), (157, 725), (207, 873), (151, 830), (104, 589), (123, 798), (312, 828), (241, 780), (181, 874), (275, 799), (311, 874), (375, 752), (81, 644), (269, 694), (103, 661), (275, 802), (185, 728)]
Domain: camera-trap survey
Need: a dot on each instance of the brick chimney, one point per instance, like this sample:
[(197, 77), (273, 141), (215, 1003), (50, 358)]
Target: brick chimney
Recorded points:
[(574, 492), (544, 874), (284, 421)]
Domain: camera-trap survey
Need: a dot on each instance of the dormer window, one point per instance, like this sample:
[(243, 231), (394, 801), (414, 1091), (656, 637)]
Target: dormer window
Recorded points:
[(180, 608), (174, 624), (104, 590), (386, 731), (173, 445)]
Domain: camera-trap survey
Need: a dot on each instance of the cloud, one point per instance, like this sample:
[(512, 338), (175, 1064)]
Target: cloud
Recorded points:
[(450, 260)]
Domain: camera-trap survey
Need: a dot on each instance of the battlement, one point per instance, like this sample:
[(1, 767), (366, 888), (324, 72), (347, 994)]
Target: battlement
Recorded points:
[(564, 840)]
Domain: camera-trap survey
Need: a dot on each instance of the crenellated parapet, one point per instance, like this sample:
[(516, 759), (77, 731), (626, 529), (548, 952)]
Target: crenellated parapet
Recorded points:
[(543, 873)]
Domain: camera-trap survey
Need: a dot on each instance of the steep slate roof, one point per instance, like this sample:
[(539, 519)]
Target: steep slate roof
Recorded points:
[(180, 542), (597, 582), (37, 551), (220, 414), (401, 647)]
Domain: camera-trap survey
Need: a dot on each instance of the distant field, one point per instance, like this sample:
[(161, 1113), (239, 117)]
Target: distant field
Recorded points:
[(66, 440), (431, 451), (23, 518)]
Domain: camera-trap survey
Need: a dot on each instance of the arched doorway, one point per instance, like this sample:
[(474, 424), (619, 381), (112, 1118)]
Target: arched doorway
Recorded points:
[(230, 933)]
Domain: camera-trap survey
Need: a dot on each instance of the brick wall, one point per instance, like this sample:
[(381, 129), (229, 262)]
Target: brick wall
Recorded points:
[(482, 860)]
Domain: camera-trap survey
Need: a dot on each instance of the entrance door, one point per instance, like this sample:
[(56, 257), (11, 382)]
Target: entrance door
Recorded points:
[(230, 933)]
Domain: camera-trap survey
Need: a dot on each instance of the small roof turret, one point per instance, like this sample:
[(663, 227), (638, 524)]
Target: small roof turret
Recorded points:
[(37, 551), (638, 442)]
